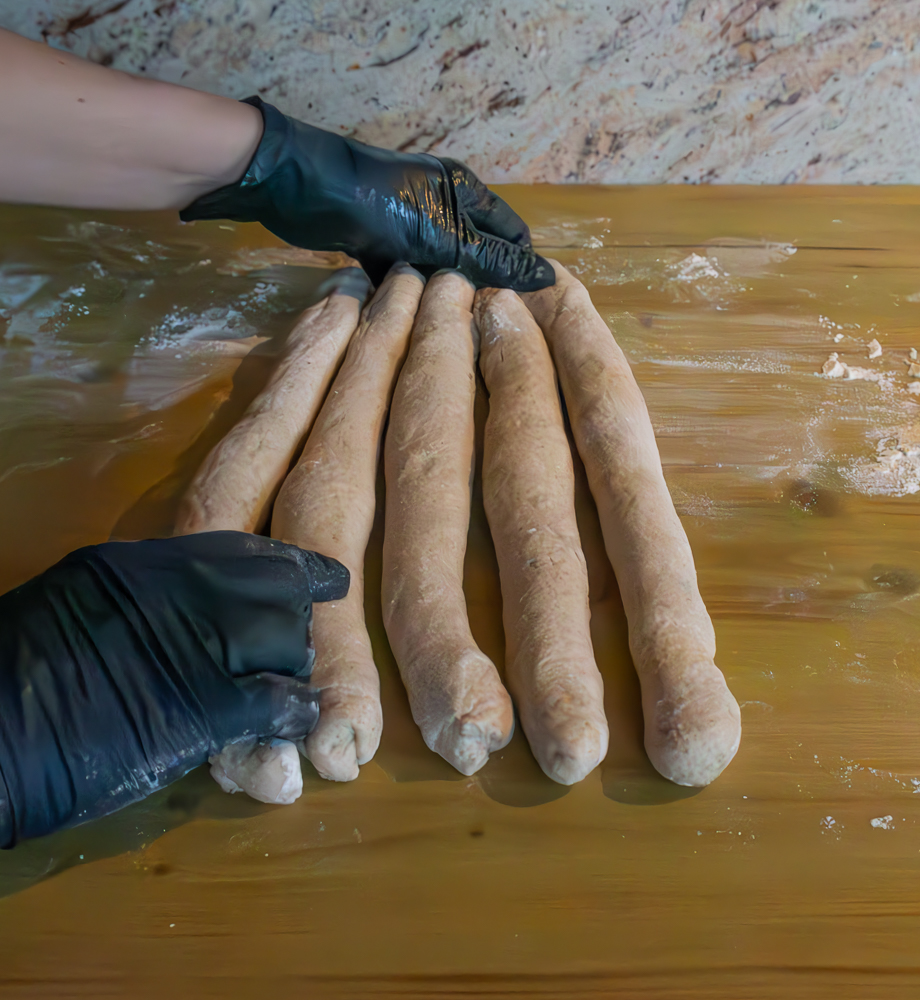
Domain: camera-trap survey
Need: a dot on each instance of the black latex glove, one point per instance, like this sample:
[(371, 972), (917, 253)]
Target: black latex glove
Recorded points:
[(127, 664), (322, 191)]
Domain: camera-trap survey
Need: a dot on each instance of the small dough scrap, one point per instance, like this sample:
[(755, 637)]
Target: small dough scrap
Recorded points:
[(914, 370), (914, 388), (835, 368), (267, 772), (874, 348)]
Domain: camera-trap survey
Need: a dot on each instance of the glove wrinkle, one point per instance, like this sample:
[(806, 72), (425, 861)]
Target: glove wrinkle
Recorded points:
[(145, 641)]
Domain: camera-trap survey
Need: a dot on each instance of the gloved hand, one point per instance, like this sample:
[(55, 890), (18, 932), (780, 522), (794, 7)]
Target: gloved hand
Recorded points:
[(322, 191), (127, 664)]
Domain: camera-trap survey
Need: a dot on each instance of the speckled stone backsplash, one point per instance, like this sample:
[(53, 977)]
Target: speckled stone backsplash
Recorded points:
[(757, 91)]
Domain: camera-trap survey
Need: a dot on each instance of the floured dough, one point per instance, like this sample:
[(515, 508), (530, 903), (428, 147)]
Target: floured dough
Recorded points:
[(268, 772), (834, 367)]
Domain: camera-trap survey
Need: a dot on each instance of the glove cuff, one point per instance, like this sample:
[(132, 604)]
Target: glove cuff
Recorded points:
[(270, 150), (300, 184), (282, 173), (228, 202)]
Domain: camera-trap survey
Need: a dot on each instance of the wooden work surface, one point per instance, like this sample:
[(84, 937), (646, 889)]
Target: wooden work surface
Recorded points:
[(795, 875)]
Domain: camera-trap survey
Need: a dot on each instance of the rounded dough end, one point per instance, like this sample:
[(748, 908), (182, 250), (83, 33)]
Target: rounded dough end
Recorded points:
[(267, 772), (333, 755), (466, 742), (332, 751), (574, 751), (348, 733), (691, 743)]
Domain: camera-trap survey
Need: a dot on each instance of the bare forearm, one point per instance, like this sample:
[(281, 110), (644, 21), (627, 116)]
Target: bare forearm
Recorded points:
[(74, 133)]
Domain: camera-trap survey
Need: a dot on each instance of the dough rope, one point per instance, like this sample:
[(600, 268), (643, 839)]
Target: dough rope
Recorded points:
[(455, 693), (529, 490)]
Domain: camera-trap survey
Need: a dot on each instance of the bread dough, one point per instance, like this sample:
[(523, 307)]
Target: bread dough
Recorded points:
[(269, 772)]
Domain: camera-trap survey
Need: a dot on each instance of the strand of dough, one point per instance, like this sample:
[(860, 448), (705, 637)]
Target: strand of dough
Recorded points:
[(456, 696), (692, 721), (327, 504), (529, 490), (236, 484)]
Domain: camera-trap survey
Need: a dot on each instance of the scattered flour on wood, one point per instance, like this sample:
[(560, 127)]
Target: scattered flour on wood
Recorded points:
[(698, 277), (747, 258), (895, 470), (854, 773), (758, 362), (694, 267), (835, 368), (832, 826)]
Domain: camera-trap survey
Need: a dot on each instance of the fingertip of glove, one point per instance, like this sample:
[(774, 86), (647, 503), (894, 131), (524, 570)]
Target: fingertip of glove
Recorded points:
[(287, 707), (495, 263), (536, 273), (328, 579)]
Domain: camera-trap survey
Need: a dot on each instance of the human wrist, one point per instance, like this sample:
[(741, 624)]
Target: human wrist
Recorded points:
[(218, 139), (85, 136), (243, 135)]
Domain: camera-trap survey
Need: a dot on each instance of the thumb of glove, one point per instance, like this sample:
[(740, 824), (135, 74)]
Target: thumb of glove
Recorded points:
[(270, 706)]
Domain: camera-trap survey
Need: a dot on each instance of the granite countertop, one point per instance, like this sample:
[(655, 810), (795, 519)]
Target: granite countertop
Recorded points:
[(758, 91)]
